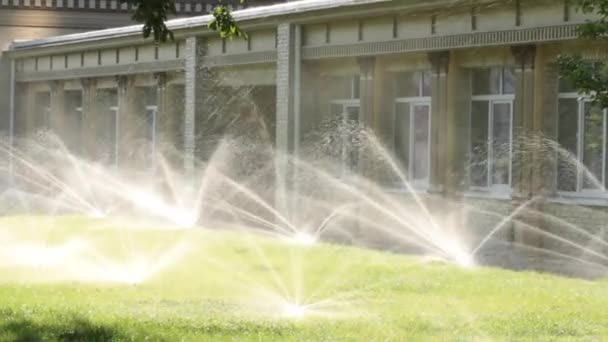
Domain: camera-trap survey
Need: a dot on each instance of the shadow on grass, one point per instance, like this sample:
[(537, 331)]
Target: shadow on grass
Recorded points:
[(76, 330)]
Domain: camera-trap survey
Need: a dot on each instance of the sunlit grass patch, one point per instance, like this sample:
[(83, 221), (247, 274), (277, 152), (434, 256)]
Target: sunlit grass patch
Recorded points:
[(117, 282)]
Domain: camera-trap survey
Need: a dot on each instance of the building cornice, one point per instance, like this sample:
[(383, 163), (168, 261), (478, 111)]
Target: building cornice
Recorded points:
[(257, 17), (183, 7)]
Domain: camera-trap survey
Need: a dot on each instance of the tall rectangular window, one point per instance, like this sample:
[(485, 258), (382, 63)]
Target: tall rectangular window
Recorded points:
[(491, 128), (73, 120), (43, 110), (347, 113), (413, 124), (583, 144), (107, 126), (151, 126)]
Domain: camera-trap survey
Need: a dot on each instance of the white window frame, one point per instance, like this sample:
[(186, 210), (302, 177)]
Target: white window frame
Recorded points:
[(346, 103), (495, 190), (422, 184), (581, 192), (154, 110)]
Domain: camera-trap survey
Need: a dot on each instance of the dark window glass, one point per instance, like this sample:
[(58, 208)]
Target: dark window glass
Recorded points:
[(73, 120), (606, 154), (149, 96), (337, 109), (355, 88), (107, 117), (426, 83), (402, 134), (352, 145), (508, 83), (407, 84), (421, 141), (565, 86), (43, 110), (479, 143), (151, 123), (593, 147), (501, 151), (486, 81), (567, 172)]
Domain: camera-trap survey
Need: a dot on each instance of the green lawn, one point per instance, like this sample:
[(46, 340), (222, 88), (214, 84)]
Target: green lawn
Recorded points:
[(227, 286)]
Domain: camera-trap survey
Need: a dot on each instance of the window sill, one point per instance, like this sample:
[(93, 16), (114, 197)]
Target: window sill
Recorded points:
[(489, 194), (398, 189), (581, 198)]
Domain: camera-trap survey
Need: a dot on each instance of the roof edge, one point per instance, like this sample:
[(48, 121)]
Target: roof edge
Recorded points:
[(192, 22)]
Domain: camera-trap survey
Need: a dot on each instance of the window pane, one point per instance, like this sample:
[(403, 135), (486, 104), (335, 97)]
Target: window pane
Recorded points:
[(353, 114), (337, 109), (508, 81), (486, 81), (151, 120), (73, 120), (43, 110), (107, 129), (149, 96), (106, 124), (501, 149), (567, 137), (407, 84), (355, 87), (593, 153), (402, 134), (606, 155), (479, 143), (426, 83), (565, 86), (352, 145), (421, 142)]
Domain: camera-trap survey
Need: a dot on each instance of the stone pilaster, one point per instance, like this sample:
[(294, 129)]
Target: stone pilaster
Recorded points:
[(195, 93), (546, 84), (164, 118), (525, 135), (457, 126), (288, 107), (288, 77), (128, 120), (439, 110), (89, 118), (523, 120), (57, 114)]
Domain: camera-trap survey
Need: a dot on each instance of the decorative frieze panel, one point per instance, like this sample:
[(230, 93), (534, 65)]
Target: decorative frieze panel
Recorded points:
[(240, 59), (477, 39), (100, 71)]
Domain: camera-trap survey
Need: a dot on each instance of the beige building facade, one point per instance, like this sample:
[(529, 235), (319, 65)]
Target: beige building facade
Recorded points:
[(465, 94)]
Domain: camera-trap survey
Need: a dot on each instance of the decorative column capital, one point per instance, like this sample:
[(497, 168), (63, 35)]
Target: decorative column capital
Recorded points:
[(161, 79), (525, 55), (440, 61), (87, 82), (56, 86), (366, 65)]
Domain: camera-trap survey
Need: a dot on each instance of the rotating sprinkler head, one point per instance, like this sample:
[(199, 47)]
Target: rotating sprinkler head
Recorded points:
[(293, 311), (304, 239)]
